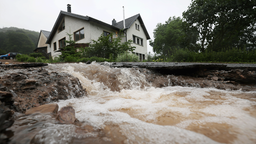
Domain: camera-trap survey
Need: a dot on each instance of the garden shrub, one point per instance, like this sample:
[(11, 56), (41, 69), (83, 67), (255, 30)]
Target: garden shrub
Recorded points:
[(31, 59), (22, 57), (229, 55), (127, 57), (70, 59), (35, 55), (40, 60), (83, 59)]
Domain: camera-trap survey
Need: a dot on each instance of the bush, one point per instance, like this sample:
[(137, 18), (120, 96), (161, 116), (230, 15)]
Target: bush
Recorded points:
[(83, 59), (31, 59), (22, 57), (40, 60), (36, 55), (97, 59), (70, 59), (229, 55), (127, 57), (56, 60)]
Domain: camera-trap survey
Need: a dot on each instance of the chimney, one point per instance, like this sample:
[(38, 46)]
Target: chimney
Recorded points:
[(124, 20), (69, 8), (113, 22)]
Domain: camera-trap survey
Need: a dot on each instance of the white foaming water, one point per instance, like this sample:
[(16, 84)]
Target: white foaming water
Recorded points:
[(145, 114)]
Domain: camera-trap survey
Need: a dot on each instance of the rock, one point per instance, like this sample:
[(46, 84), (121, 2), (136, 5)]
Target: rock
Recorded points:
[(88, 62), (6, 63), (6, 97), (47, 108), (36, 86), (66, 115), (215, 78), (6, 119)]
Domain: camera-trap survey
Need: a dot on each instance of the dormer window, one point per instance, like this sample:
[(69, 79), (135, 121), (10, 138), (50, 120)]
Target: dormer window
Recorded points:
[(62, 26)]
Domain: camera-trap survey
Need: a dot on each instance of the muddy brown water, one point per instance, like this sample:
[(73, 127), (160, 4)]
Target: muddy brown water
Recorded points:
[(130, 110), (123, 107)]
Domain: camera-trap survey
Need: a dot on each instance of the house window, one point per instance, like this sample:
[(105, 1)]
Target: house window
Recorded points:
[(62, 26), (137, 27), (106, 34), (54, 46), (79, 34), (62, 43), (137, 40)]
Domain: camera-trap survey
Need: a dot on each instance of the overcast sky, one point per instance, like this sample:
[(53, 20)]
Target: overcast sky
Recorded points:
[(39, 15)]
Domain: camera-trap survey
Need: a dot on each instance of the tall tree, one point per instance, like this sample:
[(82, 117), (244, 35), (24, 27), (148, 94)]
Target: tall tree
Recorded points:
[(171, 35), (223, 23)]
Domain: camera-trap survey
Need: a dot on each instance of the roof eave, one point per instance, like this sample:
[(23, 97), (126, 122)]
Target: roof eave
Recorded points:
[(55, 26), (102, 23), (144, 27)]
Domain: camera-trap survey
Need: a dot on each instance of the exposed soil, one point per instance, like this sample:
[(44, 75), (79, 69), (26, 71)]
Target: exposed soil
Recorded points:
[(11, 61)]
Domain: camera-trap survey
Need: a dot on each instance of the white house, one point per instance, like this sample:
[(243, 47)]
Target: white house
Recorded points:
[(84, 29)]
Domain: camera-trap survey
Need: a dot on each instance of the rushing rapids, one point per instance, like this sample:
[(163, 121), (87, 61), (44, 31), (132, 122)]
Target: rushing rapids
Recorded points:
[(127, 105), (129, 109)]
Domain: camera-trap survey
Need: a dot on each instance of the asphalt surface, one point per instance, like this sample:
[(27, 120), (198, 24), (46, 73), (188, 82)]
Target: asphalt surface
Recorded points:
[(180, 65)]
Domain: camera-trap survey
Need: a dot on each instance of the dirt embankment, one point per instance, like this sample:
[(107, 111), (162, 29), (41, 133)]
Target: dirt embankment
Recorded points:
[(10, 61)]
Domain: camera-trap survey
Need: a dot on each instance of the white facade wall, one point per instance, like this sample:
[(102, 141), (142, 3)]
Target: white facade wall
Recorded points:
[(71, 25), (139, 33), (92, 31), (97, 30)]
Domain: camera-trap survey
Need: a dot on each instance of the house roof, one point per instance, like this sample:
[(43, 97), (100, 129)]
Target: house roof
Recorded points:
[(129, 21), (46, 33), (118, 27)]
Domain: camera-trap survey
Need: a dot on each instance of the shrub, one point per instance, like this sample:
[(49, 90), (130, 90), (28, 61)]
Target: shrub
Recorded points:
[(83, 59), (31, 59), (40, 60), (229, 55), (70, 58), (35, 55), (56, 60), (127, 57), (22, 57), (97, 59)]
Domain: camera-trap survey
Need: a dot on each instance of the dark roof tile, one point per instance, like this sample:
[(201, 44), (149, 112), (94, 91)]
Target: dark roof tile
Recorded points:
[(119, 26), (46, 33)]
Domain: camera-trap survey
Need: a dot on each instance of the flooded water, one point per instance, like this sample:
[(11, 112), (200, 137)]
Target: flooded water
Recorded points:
[(128, 109)]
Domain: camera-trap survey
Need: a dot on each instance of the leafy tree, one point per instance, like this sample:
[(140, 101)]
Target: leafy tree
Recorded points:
[(108, 47), (171, 35), (223, 23)]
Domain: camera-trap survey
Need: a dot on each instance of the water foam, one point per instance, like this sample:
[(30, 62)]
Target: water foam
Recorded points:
[(161, 115)]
